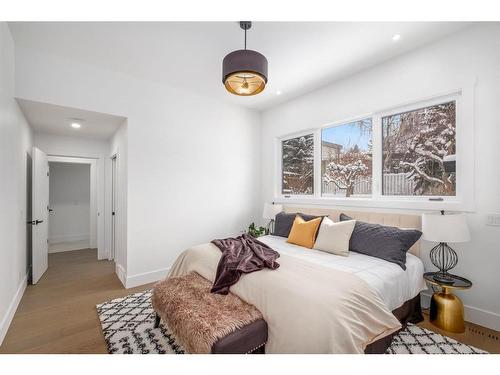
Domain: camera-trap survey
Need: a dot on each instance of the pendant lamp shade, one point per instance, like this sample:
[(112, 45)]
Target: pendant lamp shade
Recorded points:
[(244, 72)]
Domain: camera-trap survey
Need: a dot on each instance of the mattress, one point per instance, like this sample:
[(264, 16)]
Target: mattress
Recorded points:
[(389, 281)]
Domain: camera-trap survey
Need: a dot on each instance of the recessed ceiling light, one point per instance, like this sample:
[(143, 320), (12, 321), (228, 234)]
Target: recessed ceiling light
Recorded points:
[(396, 37), (278, 92), (76, 123)]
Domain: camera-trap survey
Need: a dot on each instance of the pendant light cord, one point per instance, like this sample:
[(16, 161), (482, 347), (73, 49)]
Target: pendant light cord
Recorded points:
[(245, 38)]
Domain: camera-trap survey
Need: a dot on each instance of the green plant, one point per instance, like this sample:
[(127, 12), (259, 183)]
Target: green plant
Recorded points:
[(256, 232)]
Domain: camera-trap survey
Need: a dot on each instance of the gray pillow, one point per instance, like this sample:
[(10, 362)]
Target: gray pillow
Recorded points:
[(283, 223), (380, 241)]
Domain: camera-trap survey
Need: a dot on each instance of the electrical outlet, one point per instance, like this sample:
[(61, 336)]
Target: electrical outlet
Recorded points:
[(493, 219)]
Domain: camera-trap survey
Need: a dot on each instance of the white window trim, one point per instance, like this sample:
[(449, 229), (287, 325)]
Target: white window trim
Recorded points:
[(279, 165), (464, 199), (345, 122)]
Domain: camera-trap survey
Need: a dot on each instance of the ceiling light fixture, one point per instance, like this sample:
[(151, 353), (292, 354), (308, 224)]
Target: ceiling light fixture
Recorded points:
[(396, 37), (76, 123), (278, 92), (244, 72)]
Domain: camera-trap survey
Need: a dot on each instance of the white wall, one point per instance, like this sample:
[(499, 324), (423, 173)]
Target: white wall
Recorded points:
[(118, 147), (69, 200), (444, 65), (56, 145), (193, 162), (15, 151)]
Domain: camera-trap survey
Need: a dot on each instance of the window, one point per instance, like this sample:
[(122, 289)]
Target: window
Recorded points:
[(416, 146), (298, 165), (346, 159), (415, 156)]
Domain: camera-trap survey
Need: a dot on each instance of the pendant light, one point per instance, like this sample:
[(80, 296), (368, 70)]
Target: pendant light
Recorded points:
[(244, 72)]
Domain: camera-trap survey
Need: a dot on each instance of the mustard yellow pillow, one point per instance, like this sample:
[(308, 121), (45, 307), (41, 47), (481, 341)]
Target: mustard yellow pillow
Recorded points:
[(303, 232)]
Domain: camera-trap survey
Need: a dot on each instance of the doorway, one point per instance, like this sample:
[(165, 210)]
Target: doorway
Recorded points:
[(69, 207), (75, 223), (65, 213)]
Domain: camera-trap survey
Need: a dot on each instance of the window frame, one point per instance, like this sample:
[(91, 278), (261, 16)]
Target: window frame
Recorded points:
[(462, 201), (340, 123), (280, 163), (409, 108)]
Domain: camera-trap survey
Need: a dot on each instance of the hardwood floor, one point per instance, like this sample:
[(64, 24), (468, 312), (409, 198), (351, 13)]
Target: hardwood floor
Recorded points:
[(475, 335), (58, 314)]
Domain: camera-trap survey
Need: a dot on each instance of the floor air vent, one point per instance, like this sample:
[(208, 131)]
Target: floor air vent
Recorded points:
[(485, 333)]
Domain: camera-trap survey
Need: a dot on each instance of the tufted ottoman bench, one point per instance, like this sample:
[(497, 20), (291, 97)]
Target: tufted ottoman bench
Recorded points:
[(204, 322)]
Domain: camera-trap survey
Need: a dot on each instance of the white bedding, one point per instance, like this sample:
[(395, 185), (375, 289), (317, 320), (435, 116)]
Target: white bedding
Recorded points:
[(309, 308), (389, 281)]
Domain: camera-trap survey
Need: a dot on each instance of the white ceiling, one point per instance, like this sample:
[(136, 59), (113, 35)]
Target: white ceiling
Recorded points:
[(302, 55), (54, 119)]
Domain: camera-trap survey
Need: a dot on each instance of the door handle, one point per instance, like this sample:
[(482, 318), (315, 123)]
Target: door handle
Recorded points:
[(38, 222)]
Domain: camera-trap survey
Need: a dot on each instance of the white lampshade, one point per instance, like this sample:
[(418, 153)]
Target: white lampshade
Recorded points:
[(445, 228), (271, 210)]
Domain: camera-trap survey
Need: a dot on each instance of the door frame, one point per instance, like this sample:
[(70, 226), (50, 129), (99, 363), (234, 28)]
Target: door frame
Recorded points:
[(96, 207), (114, 204)]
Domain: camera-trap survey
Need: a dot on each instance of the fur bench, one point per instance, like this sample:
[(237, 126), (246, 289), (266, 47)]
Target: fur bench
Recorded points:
[(204, 322)]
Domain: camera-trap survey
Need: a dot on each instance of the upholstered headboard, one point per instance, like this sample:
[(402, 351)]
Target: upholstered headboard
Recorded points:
[(391, 219)]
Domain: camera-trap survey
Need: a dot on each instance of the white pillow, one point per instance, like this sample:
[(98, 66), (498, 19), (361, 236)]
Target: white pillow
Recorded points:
[(334, 237)]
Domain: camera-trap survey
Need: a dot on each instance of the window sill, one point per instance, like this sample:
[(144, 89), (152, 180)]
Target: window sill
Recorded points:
[(385, 203)]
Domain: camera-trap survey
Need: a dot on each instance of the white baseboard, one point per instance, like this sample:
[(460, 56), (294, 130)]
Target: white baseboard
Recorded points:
[(61, 247), (104, 255), (69, 237), (9, 315), (484, 318), (120, 272), (146, 278)]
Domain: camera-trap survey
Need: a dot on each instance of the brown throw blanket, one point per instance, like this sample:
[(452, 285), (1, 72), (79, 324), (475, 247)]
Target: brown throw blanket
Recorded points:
[(243, 254)]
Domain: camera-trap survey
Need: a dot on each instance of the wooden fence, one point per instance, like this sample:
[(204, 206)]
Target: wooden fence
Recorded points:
[(397, 184), (393, 184)]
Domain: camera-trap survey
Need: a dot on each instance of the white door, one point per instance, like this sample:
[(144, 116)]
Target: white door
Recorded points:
[(40, 223), (113, 207)]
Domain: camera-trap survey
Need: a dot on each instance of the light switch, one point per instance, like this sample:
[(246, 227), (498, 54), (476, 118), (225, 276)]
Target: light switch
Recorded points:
[(493, 219)]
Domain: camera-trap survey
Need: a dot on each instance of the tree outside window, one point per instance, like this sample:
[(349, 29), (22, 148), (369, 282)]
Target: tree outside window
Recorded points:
[(298, 165), (415, 144), (346, 160)]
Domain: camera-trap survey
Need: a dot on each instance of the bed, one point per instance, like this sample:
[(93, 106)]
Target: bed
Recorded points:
[(318, 302), (398, 289), (393, 285)]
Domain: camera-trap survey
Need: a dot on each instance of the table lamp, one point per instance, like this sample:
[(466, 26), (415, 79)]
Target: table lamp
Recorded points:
[(270, 212), (444, 228)]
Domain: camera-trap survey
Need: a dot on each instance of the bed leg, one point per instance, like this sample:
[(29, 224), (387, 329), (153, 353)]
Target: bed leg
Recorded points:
[(157, 320)]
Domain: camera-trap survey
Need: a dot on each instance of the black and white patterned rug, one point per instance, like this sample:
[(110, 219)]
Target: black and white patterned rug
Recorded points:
[(127, 324)]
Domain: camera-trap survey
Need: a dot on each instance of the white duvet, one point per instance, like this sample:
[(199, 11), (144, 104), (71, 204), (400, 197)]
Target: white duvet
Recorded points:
[(392, 284), (311, 305)]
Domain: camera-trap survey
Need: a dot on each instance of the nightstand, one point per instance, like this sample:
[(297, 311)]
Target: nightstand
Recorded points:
[(447, 310)]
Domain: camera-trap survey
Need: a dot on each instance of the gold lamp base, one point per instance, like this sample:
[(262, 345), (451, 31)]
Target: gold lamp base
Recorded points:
[(447, 312)]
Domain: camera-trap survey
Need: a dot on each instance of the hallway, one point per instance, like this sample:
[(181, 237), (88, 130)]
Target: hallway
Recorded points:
[(58, 314)]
